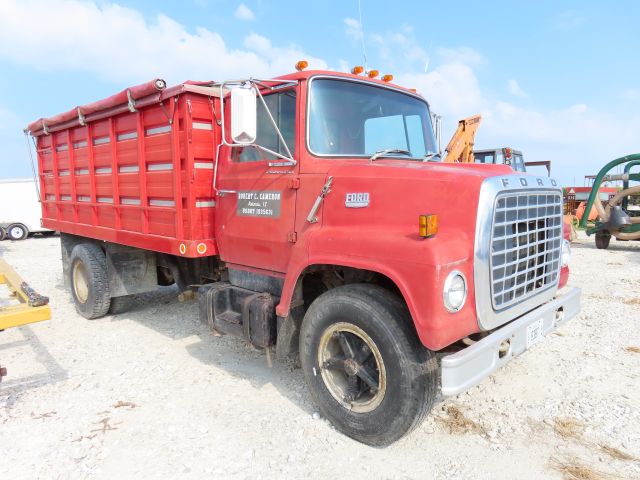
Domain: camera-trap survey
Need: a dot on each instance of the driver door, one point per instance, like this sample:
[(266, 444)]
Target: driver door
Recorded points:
[(256, 208)]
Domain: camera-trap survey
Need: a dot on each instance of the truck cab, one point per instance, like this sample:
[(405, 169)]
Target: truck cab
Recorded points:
[(506, 156)]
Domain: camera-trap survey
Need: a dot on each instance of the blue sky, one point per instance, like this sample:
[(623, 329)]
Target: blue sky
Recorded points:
[(558, 80)]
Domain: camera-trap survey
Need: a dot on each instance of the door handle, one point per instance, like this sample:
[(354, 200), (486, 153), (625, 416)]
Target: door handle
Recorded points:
[(222, 192)]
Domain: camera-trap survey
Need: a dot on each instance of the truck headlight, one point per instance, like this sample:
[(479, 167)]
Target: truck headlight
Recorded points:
[(566, 253), (455, 291)]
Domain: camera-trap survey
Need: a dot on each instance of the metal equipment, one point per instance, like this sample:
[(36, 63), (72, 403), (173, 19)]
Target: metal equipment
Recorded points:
[(613, 218), (24, 304)]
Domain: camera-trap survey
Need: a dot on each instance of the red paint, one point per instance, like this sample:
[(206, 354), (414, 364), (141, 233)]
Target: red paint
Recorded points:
[(382, 237)]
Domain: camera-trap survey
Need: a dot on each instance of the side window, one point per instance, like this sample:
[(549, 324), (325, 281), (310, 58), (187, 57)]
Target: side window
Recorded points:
[(282, 106)]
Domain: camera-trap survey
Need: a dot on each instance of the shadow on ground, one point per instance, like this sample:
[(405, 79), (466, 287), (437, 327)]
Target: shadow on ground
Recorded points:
[(54, 373), (164, 313)]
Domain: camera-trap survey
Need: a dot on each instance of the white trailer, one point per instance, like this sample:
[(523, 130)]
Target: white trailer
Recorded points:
[(20, 211)]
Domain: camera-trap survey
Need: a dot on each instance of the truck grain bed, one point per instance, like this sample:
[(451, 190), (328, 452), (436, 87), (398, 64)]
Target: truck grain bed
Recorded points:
[(138, 173)]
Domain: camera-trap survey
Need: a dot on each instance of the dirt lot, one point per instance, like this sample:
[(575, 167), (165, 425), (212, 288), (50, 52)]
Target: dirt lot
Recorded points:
[(152, 394)]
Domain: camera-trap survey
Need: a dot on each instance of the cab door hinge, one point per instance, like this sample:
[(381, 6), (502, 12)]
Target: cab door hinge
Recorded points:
[(292, 237), (294, 183)]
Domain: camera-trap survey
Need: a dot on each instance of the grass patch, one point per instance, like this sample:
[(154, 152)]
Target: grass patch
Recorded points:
[(633, 349), (457, 422), (616, 453), (574, 470), (632, 301), (568, 427)]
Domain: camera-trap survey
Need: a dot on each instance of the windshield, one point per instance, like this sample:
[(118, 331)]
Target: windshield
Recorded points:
[(356, 119)]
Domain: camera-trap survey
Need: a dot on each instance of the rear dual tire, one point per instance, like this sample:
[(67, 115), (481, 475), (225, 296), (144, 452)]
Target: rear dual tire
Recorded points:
[(365, 368), (88, 280), (90, 284)]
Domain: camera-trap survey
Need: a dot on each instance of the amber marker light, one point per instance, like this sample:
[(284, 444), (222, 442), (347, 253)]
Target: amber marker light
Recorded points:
[(373, 73), (301, 65), (357, 70), (387, 78), (428, 225)]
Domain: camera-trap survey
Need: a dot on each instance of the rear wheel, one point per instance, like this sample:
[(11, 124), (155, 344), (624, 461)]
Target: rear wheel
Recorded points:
[(88, 280), (3, 233), (365, 368), (17, 231), (602, 240)]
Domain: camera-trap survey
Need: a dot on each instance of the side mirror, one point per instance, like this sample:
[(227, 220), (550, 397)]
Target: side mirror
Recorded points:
[(243, 115)]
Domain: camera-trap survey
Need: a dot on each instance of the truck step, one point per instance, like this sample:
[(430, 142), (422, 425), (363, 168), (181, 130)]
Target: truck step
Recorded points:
[(238, 311)]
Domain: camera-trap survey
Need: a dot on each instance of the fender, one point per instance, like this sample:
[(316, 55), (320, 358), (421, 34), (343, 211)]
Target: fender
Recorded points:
[(416, 266)]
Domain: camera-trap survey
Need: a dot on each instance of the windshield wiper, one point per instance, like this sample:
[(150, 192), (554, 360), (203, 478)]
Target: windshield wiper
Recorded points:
[(387, 151), (430, 156)]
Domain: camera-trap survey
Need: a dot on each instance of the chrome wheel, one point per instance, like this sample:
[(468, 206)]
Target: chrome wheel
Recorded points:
[(80, 284), (352, 368)]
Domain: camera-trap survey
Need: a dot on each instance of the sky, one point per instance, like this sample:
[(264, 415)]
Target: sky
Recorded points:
[(559, 80)]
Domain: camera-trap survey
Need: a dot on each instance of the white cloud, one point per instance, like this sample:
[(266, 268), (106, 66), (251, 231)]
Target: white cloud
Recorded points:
[(515, 89), (631, 94), (353, 28), (568, 20), (244, 13), (257, 43), (398, 50), (118, 44), (8, 119), (574, 137), (466, 55)]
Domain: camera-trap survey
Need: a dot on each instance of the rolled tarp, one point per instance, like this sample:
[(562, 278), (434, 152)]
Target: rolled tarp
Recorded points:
[(77, 115)]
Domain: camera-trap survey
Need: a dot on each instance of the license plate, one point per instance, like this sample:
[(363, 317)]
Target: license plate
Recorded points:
[(534, 333)]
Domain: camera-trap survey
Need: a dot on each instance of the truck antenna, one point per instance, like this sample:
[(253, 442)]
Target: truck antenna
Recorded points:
[(364, 51)]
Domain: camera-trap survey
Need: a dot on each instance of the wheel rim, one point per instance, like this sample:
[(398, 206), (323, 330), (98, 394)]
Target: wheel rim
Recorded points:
[(352, 368), (80, 284), (16, 232)]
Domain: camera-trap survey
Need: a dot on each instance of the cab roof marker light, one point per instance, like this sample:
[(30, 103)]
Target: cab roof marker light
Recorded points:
[(301, 65), (387, 78), (373, 73), (357, 70)]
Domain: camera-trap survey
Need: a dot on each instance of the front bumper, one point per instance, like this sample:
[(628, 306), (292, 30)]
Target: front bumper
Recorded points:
[(465, 368)]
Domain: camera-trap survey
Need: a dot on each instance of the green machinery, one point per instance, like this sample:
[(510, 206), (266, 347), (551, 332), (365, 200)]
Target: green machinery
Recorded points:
[(613, 217)]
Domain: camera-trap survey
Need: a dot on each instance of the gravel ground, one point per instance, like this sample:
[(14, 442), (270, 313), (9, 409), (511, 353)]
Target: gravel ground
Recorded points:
[(152, 394)]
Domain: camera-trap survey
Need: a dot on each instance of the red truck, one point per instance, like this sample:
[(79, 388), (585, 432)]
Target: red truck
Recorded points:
[(311, 214)]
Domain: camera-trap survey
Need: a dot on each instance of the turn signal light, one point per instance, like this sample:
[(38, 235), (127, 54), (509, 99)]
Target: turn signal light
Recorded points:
[(387, 78), (301, 65), (428, 225), (373, 73), (357, 70)]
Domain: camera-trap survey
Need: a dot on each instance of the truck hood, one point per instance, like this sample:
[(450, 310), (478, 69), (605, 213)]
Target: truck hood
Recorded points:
[(400, 190)]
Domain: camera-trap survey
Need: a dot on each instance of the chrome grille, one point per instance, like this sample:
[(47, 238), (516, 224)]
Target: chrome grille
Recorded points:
[(526, 245)]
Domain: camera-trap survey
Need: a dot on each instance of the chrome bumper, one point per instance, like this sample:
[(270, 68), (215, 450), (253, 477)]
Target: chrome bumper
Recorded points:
[(464, 369)]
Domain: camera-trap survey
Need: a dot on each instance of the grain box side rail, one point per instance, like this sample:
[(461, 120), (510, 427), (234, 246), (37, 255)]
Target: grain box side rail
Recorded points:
[(138, 173)]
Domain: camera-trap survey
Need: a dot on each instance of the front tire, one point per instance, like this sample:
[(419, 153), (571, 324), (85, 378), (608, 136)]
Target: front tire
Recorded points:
[(3, 233), (364, 365), (17, 231), (88, 280)]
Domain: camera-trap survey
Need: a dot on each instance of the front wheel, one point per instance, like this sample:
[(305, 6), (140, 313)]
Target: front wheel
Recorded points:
[(365, 368)]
